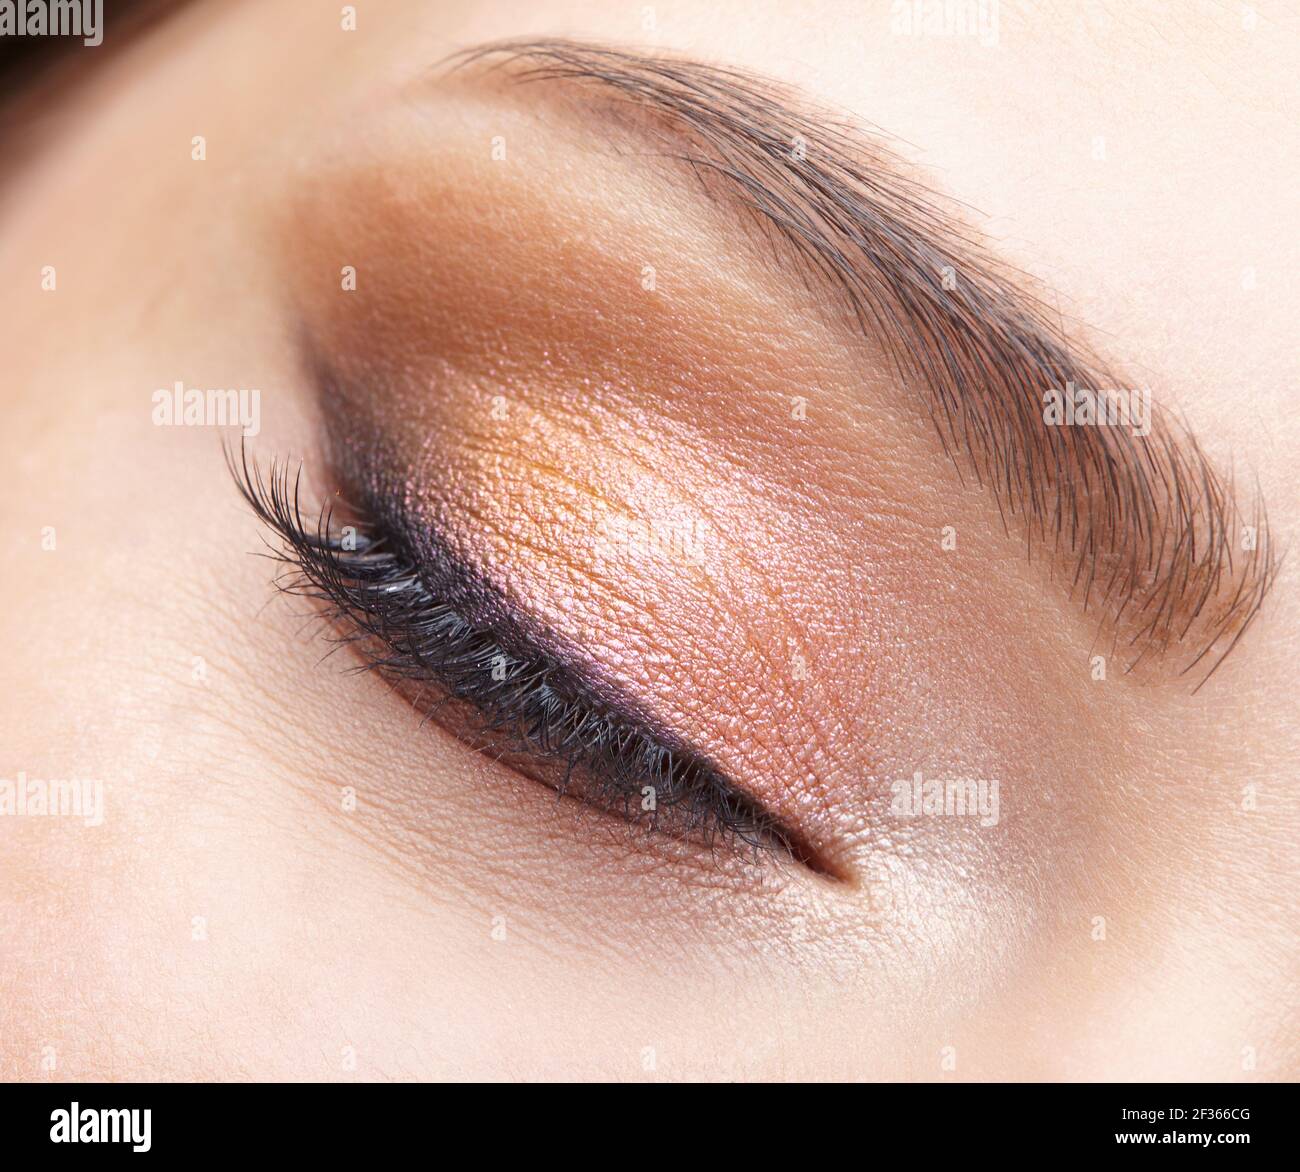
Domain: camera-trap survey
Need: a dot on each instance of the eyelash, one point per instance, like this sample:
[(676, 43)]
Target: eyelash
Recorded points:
[(379, 602)]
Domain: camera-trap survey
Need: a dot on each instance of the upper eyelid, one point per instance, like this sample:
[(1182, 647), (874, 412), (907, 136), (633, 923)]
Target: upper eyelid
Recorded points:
[(1146, 529), (685, 778)]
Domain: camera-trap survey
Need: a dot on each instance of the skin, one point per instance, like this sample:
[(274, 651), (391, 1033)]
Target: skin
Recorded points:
[(297, 878)]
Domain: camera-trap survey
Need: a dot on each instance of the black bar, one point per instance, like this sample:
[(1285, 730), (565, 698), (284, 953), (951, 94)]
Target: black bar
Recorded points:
[(338, 1120)]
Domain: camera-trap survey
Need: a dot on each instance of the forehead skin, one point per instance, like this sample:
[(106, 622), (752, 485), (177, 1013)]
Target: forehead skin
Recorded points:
[(1133, 163)]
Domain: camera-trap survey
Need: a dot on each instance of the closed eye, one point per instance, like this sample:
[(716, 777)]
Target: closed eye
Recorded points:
[(549, 345), (490, 685)]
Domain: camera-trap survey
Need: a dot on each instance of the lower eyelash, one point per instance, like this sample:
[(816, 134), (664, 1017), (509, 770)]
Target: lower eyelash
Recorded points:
[(527, 703)]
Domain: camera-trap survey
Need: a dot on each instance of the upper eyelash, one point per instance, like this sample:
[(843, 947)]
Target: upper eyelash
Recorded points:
[(539, 708)]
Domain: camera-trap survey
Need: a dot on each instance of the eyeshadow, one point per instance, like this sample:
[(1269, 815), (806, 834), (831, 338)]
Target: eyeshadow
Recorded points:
[(436, 620)]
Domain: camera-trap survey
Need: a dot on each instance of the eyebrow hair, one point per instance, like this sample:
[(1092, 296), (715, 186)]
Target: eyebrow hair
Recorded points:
[(1147, 533)]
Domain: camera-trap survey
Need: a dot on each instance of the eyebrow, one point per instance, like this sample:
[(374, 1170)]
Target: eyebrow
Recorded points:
[(1147, 535)]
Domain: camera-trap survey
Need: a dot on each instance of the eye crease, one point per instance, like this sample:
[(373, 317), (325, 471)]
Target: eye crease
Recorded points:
[(529, 707)]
